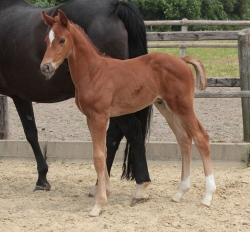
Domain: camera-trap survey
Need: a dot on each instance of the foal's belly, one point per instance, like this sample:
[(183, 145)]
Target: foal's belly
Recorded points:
[(129, 106)]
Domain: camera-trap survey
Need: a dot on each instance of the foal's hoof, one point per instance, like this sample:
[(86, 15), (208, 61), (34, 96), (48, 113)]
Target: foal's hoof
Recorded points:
[(45, 188), (205, 206), (175, 200), (96, 211), (136, 201), (207, 199), (206, 203)]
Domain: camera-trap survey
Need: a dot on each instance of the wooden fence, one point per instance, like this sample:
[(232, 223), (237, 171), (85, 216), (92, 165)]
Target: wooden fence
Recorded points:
[(158, 40), (241, 38)]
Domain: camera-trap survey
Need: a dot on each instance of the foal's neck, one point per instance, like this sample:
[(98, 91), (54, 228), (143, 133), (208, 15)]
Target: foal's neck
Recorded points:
[(83, 46), (84, 57)]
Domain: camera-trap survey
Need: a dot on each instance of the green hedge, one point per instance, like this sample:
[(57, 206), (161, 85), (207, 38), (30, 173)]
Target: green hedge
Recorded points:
[(179, 9)]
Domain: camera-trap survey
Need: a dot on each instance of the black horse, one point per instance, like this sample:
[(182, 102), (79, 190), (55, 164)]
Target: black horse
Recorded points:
[(115, 27)]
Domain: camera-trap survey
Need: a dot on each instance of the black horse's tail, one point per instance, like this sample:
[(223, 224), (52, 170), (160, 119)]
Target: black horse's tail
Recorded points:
[(133, 21)]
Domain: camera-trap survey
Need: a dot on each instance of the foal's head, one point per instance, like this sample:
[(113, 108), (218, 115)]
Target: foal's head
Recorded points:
[(58, 42)]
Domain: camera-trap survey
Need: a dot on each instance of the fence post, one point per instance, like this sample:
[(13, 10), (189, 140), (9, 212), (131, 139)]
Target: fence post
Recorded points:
[(244, 65), (4, 122), (184, 28)]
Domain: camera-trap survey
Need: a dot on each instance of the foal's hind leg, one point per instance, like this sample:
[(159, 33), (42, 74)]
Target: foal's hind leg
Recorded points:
[(201, 140), (185, 142), (185, 114)]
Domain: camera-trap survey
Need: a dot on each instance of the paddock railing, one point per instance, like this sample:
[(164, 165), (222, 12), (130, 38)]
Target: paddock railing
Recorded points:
[(185, 35), (241, 38)]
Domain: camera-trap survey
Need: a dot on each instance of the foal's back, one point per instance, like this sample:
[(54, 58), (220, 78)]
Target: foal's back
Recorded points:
[(138, 82)]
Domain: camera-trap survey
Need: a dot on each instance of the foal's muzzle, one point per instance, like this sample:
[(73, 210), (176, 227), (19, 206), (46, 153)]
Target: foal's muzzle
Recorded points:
[(48, 69)]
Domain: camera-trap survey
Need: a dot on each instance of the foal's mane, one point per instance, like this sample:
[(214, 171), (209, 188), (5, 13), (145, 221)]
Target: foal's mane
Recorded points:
[(87, 37)]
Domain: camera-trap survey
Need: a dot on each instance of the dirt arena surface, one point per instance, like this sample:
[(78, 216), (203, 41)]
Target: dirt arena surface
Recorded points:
[(66, 206)]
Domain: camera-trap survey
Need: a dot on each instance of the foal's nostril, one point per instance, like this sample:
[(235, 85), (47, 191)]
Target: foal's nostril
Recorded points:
[(47, 69)]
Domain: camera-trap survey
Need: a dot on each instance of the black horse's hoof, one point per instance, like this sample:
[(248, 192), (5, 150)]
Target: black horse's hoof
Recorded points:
[(90, 195), (136, 201), (45, 188)]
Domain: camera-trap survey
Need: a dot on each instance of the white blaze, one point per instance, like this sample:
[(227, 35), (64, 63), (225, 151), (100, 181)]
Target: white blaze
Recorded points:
[(51, 36)]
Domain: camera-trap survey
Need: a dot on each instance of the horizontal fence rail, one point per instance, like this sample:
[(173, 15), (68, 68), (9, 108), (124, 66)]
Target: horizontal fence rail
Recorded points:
[(222, 94), (192, 35), (192, 45), (186, 22), (223, 82)]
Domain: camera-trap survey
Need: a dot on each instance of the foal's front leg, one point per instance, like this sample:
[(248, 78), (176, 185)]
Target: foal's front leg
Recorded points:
[(97, 127)]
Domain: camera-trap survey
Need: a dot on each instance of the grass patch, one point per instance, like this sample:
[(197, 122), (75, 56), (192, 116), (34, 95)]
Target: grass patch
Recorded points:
[(218, 62)]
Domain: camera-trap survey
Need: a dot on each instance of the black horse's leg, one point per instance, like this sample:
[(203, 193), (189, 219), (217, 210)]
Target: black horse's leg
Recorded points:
[(26, 114), (113, 139), (130, 126)]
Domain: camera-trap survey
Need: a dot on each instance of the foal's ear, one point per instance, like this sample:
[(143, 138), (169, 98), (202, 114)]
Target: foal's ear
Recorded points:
[(63, 18), (48, 20)]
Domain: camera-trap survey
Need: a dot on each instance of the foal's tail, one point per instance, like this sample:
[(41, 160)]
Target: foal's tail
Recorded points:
[(137, 41), (201, 79)]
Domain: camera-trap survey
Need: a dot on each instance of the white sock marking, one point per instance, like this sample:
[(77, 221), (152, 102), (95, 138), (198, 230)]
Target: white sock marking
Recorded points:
[(185, 184), (183, 187), (210, 184), (210, 189)]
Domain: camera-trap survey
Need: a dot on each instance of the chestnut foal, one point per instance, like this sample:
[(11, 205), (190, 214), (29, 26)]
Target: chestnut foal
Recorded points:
[(107, 87)]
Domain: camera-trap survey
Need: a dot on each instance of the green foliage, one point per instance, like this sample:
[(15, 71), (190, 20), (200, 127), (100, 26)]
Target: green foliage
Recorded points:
[(179, 9), (194, 9), (151, 9), (61, 1), (46, 3), (213, 9), (229, 7)]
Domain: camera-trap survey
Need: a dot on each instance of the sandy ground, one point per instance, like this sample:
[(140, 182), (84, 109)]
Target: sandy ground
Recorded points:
[(66, 206)]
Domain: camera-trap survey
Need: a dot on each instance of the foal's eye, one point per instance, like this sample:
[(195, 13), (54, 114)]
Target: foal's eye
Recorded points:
[(62, 41)]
